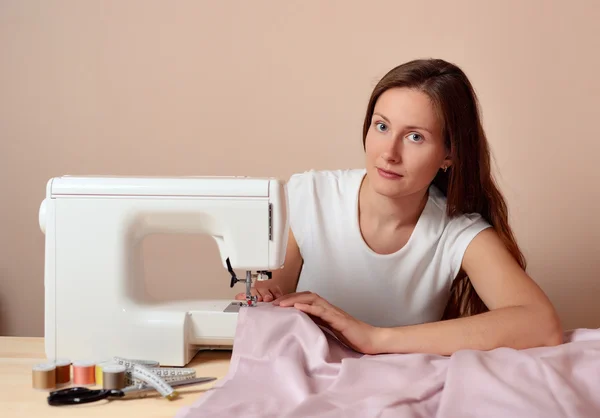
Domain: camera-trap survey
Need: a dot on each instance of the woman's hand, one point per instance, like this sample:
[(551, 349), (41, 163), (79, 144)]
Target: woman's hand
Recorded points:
[(265, 291), (356, 334)]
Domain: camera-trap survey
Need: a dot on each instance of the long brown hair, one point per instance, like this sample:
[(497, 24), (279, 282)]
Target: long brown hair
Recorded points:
[(468, 184)]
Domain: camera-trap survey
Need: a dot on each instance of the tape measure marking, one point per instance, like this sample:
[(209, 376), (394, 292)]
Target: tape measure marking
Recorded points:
[(131, 362), (169, 374), (144, 374), (140, 372)]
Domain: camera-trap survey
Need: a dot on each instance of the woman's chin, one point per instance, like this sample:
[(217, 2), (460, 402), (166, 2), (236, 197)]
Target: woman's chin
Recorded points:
[(388, 190), (392, 188)]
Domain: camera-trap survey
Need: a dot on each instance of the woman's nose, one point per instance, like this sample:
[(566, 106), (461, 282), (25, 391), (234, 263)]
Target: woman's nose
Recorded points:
[(392, 152)]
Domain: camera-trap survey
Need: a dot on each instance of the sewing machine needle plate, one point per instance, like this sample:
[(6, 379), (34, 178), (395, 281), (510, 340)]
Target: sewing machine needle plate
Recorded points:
[(234, 307)]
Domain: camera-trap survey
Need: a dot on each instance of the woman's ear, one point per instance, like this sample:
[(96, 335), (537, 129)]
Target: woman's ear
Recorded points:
[(446, 163)]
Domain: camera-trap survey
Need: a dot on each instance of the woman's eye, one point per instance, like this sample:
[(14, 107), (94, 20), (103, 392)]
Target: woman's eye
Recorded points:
[(415, 137), (381, 126)]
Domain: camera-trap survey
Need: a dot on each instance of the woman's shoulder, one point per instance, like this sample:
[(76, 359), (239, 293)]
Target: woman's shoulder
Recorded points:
[(320, 197), (324, 179), (458, 223), (452, 234)]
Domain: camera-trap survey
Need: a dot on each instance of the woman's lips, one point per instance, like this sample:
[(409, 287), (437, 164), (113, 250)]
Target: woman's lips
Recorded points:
[(388, 174)]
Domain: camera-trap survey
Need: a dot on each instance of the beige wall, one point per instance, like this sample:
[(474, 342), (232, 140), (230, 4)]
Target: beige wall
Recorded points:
[(273, 87)]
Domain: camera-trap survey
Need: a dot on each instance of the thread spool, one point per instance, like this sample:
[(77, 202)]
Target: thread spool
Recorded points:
[(44, 376), (98, 372), (113, 376), (84, 373), (63, 371)]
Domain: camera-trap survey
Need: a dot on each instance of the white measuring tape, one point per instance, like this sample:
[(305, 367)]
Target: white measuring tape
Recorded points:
[(140, 372), (144, 374)]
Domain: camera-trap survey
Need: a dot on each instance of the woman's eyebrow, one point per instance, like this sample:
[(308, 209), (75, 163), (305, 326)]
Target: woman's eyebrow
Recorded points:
[(419, 127), (406, 127), (381, 116)]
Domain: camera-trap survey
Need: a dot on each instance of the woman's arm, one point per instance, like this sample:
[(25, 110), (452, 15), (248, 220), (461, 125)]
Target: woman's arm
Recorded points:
[(520, 316)]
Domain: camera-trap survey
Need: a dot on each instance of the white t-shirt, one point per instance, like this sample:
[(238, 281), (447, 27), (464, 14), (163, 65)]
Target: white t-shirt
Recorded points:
[(410, 286)]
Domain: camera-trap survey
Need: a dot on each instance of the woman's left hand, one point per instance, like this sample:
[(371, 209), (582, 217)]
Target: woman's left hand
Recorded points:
[(358, 335)]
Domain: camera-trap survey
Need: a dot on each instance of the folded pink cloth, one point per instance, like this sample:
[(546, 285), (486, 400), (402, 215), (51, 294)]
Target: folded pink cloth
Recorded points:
[(284, 365)]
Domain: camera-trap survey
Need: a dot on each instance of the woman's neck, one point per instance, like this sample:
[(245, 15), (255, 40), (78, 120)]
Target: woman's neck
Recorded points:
[(386, 212)]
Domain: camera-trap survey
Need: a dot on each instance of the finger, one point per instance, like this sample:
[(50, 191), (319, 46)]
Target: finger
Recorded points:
[(266, 294), (288, 296), (291, 298), (304, 298), (329, 316), (277, 292), (315, 310), (253, 292)]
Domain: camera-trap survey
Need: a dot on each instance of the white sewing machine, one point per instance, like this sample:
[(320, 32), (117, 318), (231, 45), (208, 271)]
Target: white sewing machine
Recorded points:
[(96, 306)]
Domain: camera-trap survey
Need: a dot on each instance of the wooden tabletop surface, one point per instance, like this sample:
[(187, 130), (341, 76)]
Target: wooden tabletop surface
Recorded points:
[(18, 399)]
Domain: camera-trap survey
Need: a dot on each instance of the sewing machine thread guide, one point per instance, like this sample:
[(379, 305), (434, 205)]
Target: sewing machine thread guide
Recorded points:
[(234, 278)]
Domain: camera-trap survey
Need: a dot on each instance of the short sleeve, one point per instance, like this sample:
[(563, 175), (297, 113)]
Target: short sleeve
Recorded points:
[(299, 194), (459, 233)]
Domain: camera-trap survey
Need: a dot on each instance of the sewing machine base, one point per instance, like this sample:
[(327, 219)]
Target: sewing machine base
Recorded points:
[(164, 333)]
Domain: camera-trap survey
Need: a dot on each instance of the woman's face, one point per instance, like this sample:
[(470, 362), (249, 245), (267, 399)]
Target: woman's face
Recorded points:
[(404, 144)]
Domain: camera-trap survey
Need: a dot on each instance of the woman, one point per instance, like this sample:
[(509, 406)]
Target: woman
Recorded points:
[(413, 253)]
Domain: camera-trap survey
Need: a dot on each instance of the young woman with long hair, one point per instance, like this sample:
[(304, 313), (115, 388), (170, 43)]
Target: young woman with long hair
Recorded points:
[(413, 253)]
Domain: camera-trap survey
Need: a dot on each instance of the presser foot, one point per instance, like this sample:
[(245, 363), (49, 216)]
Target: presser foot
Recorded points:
[(251, 300), (260, 276)]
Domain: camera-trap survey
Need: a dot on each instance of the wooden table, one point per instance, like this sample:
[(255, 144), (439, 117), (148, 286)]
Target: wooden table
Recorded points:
[(18, 399)]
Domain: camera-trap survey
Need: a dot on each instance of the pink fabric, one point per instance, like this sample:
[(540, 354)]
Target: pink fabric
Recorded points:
[(284, 365)]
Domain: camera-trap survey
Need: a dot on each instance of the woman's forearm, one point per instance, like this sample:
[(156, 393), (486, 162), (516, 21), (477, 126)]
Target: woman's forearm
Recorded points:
[(517, 327)]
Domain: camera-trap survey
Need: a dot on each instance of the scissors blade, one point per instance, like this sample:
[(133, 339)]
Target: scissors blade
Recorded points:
[(184, 382)]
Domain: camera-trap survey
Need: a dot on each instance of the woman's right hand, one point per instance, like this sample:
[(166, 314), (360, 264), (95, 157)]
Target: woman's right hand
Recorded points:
[(265, 291)]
